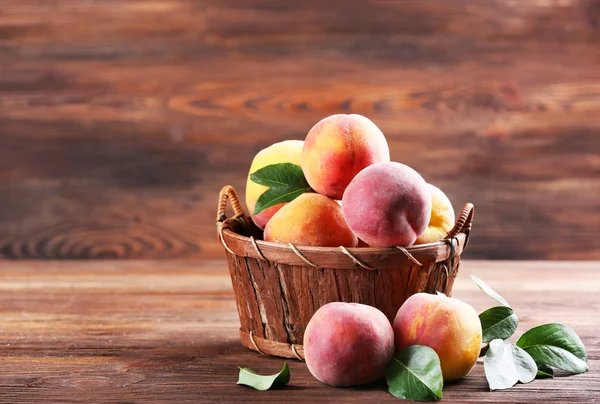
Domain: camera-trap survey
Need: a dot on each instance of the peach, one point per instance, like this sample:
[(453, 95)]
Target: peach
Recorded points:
[(288, 151), (442, 217), (348, 344), (312, 220), (448, 326), (337, 148), (387, 204)]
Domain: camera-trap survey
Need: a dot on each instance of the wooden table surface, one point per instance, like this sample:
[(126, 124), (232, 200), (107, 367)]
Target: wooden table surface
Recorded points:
[(167, 331)]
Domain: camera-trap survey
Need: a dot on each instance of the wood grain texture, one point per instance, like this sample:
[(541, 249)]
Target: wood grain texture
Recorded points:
[(167, 331), (120, 120)]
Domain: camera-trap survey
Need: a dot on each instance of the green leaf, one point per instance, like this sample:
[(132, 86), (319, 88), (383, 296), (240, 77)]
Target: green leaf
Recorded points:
[(489, 291), (415, 374), (286, 182), (506, 364), (498, 322), (249, 377), (280, 175), (274, 196), (555, 345), (544, 371)]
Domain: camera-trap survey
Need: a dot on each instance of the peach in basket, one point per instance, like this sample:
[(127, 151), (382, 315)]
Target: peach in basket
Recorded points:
[(278, 287)]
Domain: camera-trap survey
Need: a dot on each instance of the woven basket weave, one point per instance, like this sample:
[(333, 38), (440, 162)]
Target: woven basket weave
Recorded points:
[(279, 287)]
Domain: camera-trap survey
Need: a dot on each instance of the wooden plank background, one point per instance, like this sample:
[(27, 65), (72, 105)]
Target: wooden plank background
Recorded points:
[(120, 120)]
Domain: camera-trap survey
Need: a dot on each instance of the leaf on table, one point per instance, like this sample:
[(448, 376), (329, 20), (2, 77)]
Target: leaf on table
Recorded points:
[(249, 377), (489, 291), (498, 322), (506, 364), (555, 345), (286, 182), (415, 374), (544, 371)]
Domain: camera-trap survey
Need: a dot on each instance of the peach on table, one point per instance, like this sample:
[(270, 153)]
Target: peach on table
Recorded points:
[(448, 326), (348, 344)]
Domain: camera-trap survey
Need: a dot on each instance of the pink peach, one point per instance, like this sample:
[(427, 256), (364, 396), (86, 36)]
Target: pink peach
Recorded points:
[(348, 344), (387, 204)]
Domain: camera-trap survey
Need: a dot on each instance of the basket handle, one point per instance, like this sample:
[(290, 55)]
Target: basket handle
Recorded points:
[(463, 223), (228, 194)]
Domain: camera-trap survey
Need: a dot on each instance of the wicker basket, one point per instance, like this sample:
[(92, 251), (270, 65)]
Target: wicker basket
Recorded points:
[(278, 287)]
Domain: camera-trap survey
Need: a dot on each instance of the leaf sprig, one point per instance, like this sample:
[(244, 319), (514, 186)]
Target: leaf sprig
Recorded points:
[(415, 374), (535, 353), (286, 182)]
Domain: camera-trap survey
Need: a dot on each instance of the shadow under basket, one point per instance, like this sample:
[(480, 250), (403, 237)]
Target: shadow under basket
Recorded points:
[(278, 287)]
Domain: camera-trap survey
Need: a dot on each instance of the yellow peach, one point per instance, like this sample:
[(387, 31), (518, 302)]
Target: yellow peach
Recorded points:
[(288, 151), (442, 217), (448, 326)]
